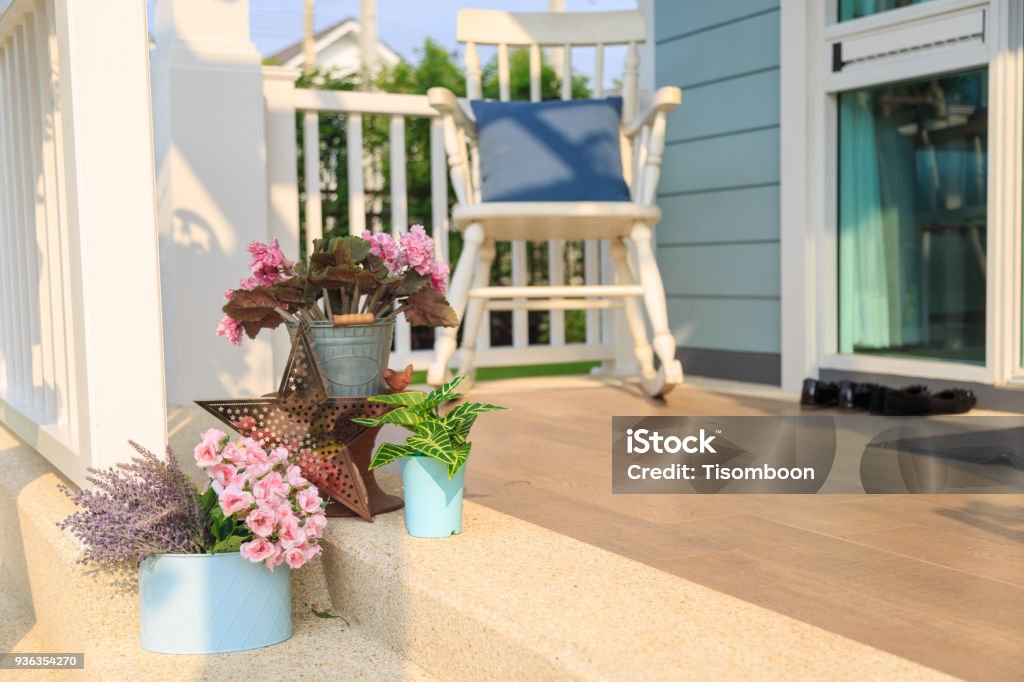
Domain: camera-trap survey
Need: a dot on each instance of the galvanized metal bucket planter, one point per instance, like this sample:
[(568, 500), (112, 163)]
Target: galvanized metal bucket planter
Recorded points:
[(353, 357), (212, 604)]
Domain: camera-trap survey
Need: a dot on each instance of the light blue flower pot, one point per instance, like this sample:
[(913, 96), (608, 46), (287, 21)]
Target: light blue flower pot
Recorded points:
[(211, 604), (433, 502)]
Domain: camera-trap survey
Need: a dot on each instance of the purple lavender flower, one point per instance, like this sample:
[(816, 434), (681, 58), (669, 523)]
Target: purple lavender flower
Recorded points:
[(137, 510)]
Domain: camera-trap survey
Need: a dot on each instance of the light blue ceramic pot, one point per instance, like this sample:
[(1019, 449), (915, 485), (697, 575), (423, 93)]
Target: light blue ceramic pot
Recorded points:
[(433, 502), (211, 604)]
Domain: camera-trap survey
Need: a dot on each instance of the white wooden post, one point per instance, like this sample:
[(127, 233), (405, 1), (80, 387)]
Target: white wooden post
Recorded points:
[(282, 178), (212, 180), (115, 297)]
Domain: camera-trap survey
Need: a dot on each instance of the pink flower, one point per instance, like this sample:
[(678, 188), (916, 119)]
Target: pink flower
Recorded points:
[(284, 511), (261, 520), (266, 262), (279, 455), (229, 294), (230, 329), (383, 246), (310, 551), (276, 558), (439, 276), (271, 489), (418, 249), (254, 472), (233, 454), (215, 436), (289, 533), (223, 474), (206, 454), (248, 284), (293, 476), (294, 557), (257, 550), (309, 500), (314, 525), (252, 444), (234, 500)]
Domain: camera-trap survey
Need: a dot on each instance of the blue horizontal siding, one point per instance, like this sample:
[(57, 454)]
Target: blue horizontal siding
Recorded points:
[(677, 19), (718, 243)]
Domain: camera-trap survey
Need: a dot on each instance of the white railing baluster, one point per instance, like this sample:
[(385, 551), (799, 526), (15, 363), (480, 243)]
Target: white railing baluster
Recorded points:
[(567, 72), (74, 408), (23, 289), (7, 301), (52, 248), (504, 84), (592, 277), (356, 191), (535, 72), (399, 194), (520, 277), (594, 250), (311, 161), (399, 213), (36, 136)]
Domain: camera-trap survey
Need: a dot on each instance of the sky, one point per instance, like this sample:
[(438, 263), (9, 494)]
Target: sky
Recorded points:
[(402, 24)]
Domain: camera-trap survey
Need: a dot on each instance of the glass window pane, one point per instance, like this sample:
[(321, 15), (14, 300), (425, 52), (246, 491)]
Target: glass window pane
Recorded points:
[(854, 9), (912, 218)]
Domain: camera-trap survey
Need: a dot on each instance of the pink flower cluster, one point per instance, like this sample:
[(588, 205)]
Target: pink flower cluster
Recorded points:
[(268, 267), (414, 250), (264, 491)]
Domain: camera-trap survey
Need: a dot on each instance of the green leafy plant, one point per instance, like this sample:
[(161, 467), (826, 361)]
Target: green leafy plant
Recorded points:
[(441, 436)]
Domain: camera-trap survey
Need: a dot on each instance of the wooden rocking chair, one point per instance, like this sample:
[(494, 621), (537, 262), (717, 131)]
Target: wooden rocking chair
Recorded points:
[(626, 224)]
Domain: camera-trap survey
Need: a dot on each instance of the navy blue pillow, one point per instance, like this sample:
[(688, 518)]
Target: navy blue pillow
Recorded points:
[(550, 151)]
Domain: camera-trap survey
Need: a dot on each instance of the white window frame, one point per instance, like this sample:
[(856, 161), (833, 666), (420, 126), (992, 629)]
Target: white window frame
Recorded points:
[(809, 176)]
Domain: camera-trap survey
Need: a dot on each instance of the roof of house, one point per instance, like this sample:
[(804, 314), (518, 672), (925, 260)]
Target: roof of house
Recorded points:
[(294, 50)]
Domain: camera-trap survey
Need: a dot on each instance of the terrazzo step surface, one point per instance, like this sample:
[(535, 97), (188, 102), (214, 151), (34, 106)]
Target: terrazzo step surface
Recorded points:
[(504, 600), (49, 603)]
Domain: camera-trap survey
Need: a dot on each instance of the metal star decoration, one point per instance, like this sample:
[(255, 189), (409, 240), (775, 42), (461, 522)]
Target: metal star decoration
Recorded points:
[(313, 425)]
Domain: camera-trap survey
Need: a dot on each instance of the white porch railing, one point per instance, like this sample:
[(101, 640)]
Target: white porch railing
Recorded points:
[(81, 367), (284, 101)]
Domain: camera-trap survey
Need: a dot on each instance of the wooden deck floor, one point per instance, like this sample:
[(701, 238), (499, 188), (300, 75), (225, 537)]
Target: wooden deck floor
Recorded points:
[(936, 579)]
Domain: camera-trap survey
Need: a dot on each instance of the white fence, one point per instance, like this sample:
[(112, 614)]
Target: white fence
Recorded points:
[(284, 101), (81, 366)]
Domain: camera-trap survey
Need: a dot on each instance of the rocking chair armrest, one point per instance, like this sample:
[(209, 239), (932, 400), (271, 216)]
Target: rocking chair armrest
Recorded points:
[(664, 100), (447, 104)]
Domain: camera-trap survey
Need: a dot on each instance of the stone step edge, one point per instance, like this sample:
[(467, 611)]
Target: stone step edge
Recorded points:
[(507, 599)]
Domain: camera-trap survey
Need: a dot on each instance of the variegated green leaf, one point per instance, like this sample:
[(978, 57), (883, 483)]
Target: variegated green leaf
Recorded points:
[(388, 453), (402, 416), (461, 454), (407, 398), (461, 418), (432, 440), (443, 393)]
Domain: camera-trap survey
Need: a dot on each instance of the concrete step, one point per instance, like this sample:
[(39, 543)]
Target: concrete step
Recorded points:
[(49, 603), (505, 600)]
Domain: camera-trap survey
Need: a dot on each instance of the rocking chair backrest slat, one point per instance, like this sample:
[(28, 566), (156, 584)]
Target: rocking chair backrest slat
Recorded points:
[(561, 31)]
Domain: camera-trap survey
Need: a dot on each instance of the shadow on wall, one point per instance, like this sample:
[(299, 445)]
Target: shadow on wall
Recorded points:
[(209, 139)]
